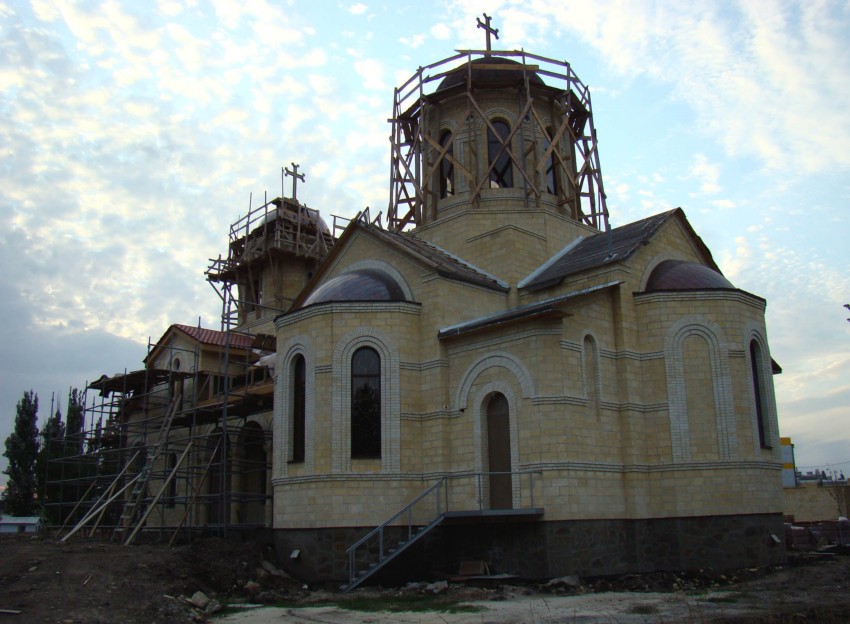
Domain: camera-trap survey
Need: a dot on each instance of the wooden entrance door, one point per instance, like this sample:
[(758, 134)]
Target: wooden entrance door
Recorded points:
[(499, 452)]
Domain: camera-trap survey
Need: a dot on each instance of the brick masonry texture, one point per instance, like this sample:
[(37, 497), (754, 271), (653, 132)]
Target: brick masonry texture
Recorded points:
[(538, 550)]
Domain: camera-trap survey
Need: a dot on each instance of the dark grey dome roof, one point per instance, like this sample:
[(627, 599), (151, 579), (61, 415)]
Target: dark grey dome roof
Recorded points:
[(488, 77), (361, 285), (682, 275)]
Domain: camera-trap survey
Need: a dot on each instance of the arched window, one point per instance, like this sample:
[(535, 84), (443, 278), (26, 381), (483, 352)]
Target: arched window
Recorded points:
[(501, 173), (447, 169), (756, 363), (299, 408), (499, 452), (551, 171), (365, 403), (591, 374)]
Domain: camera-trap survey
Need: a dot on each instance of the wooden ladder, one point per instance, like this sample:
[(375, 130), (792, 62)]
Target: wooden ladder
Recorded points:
[(125, 522)]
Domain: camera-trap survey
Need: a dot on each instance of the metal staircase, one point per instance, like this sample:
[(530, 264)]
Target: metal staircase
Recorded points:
[(471, 496), (373, 559)]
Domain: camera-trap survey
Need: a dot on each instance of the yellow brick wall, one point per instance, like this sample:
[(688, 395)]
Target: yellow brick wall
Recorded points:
[(600, 452), (809, 502)]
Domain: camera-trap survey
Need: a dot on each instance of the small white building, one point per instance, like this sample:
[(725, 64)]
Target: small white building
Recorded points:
[(23, 524)]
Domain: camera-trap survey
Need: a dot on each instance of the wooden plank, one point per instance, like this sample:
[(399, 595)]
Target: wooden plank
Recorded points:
[(156, 498), (504, 67), (195, 493)]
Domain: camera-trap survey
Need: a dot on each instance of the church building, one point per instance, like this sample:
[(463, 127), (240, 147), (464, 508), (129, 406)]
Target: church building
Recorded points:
[(487, 377), (497, 375)]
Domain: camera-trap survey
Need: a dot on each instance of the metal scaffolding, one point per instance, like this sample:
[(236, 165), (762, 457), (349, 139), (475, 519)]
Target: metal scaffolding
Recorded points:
[(179, 447)]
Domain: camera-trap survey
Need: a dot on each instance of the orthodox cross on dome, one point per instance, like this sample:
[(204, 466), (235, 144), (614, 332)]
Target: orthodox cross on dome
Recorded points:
[(295, 177), (486, 26)]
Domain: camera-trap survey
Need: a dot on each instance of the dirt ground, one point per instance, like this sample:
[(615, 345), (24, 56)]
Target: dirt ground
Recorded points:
[(94, 582)]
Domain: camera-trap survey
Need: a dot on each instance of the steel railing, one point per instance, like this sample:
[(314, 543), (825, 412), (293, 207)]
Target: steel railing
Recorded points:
[(419, 518)]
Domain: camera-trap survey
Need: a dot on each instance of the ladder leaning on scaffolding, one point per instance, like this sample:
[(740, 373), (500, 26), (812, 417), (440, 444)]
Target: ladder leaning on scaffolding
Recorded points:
[(139, 483)]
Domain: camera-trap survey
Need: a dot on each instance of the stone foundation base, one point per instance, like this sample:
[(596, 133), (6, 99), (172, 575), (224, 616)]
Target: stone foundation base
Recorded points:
[(546, 549)]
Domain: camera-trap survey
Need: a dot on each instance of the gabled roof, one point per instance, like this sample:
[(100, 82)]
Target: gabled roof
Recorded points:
[(207, 337), (523, 313), (442, 261), (438, 260), (609, 248), (18, 520), (215, 338)]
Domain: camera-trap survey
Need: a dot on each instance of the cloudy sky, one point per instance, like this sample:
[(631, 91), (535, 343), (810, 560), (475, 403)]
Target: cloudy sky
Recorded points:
[(133, 133)]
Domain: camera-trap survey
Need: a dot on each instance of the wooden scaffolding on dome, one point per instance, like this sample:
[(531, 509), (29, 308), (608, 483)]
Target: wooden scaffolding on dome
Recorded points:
[(412, 170)]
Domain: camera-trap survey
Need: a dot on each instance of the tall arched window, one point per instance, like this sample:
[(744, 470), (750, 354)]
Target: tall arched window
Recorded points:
[(447, 169), (299, 393), (499, 452), (365, 403), (551, 171), (501, 173), (591, 374), (756, 363)]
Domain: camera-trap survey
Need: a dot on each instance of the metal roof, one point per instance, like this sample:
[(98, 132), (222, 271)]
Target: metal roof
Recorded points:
[(360, 285), (442, 261), (683, 275), (599, 250), (520, 313)]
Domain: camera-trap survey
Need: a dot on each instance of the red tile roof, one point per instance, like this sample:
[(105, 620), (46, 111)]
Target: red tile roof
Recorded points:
[(216, 338)]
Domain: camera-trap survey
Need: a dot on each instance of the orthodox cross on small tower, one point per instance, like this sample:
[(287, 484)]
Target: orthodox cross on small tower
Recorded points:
[(295, 177), (486, 26)]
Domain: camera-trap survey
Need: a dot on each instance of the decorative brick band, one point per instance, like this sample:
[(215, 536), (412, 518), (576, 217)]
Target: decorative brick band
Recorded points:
[(501, 359)]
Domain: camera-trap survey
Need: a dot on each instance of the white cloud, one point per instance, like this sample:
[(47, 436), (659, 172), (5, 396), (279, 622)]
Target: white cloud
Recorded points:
[(358, 8), (723, 204), (371, 71), (440, 31), (322, 84), (297, 115), (44, 10), (706, 173), (413, 41), (171, 8)]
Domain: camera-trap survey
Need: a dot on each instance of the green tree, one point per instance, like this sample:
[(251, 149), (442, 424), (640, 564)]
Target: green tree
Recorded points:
[(96, 439), (75, 420), (49, 469), (22, 453)]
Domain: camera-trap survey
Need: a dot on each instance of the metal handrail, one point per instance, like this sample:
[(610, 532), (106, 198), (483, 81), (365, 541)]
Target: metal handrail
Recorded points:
[(392, 519), (441, 487), (379, 530)]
